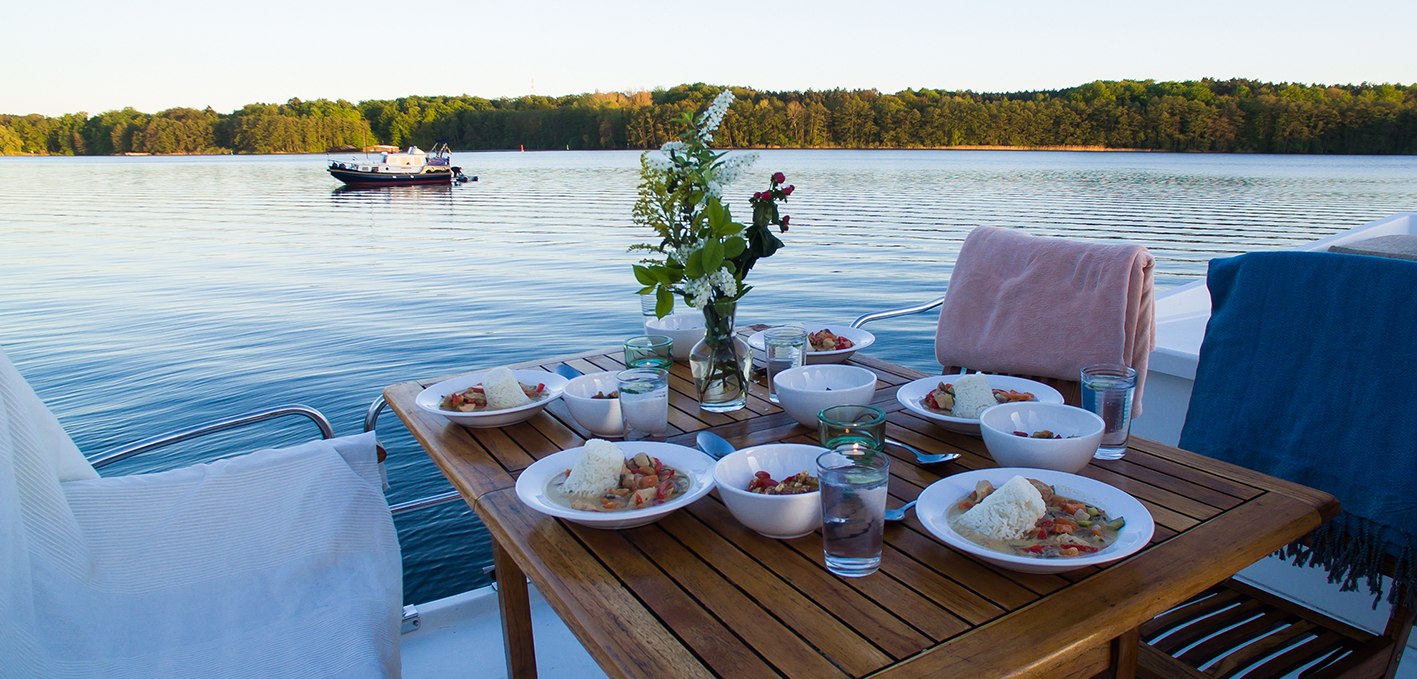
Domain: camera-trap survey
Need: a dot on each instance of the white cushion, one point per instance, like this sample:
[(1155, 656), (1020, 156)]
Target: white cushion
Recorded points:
[(281, 563)]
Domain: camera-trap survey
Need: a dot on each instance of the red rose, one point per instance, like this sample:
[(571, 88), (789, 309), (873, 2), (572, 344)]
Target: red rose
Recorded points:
[(778, 178), (787, 190), (785, 220), (757, 195)]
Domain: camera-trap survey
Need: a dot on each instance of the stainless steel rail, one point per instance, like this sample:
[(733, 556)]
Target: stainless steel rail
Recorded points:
[(371, 421), (131, 449), (892, 313)]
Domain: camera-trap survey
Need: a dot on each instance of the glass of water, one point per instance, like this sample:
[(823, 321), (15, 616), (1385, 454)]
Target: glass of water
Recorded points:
[(785, 348), (644, 402), (1107, 389), (853, 480), (649, 351)]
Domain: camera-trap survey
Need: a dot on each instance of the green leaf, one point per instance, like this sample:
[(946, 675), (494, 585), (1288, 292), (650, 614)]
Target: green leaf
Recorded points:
[(645, 276), (663, 302), (694, 268), (712, 255), (734, 246)]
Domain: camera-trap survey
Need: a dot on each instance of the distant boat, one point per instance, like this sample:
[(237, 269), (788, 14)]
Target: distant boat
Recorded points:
[(395, 168)]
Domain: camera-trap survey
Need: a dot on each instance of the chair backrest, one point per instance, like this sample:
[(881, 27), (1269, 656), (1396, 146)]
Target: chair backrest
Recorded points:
[(1046, 307), (1307, 373), (283, 562)]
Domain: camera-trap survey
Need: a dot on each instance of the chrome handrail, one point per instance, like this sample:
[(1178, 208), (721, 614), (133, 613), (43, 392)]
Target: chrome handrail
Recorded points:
[(371, 421), (131, 449), (892, 313)]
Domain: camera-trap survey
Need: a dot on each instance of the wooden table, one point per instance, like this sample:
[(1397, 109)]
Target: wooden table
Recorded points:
[(698, 594)]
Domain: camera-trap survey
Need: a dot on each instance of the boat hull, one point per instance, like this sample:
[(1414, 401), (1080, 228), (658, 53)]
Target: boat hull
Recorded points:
[(369, 179)]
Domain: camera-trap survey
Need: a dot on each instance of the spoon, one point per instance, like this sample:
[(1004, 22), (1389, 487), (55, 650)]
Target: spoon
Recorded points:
[(898, 514), (568, 372), (716, 446), (921, 457)]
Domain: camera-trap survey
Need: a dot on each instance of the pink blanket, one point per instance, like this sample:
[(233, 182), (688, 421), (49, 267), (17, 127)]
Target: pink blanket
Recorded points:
[(1047, 306)]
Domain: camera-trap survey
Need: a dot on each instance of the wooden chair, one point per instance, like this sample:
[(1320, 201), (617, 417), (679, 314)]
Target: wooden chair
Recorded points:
[(1347, 311)]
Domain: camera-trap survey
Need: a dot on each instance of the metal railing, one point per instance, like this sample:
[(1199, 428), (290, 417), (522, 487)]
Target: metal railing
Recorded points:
[(131, 449), (892, 313)]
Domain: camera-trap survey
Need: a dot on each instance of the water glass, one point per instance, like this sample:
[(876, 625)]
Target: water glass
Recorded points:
[(1107, 389), (784, 347), (649, 351), (644, 402), (853, 480), (647, 302), (845, 425)]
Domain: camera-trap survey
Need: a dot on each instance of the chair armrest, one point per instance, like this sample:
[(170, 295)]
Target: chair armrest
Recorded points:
[(371, 421), (903, 311), (127, 451)]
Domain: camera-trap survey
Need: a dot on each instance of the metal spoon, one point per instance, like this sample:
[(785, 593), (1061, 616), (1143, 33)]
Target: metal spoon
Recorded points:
[(568, 372), (714, 445), (898, 514), (922, 457)]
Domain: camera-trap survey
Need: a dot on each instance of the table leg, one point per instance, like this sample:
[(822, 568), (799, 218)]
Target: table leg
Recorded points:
[(515, 606), (1124, 654)]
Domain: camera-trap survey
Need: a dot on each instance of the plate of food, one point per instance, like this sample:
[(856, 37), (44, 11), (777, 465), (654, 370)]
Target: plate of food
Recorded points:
[(1035, 520), (492, 398), (955, 401), (616, 485), (825, 343)]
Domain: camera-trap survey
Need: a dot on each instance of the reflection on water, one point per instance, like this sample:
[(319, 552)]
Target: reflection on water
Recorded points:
[(143, 294)]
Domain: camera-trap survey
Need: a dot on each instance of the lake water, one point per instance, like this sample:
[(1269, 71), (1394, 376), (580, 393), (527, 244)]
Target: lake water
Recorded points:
[(141, 295)]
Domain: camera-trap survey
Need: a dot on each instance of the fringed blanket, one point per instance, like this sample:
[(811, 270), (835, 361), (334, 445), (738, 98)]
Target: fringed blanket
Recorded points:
[(1308, 372)]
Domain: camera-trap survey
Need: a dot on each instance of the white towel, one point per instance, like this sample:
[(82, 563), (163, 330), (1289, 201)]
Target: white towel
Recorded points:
[(281, 563)]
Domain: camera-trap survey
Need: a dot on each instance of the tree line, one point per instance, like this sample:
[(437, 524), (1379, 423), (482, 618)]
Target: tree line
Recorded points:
[(1206, 115)]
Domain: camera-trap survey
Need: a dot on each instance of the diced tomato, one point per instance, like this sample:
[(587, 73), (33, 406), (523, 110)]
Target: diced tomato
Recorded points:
[(1034, 549), (1042, 533), (663, 492)]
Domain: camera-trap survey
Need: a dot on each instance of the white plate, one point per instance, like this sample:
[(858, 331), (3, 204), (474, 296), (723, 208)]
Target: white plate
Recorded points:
[(531, 485), (430, 398), (936, 501), (859, 337), (910, 395)]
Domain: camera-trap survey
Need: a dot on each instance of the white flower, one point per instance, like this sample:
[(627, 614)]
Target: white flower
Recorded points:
[(713, 117), (724, 281), (672, 147), (658, 162), (732, 167)]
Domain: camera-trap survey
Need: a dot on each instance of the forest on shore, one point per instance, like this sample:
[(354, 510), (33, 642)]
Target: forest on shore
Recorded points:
[(1205, 116)]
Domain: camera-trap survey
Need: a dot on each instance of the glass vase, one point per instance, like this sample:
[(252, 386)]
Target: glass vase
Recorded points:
[(721, 361)]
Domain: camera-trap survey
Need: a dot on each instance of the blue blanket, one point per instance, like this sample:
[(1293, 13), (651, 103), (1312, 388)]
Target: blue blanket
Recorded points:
[(1308, 372)]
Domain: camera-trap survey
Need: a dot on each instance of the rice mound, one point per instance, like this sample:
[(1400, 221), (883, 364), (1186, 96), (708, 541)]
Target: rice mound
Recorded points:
[(972, 395), (597, 471), (1006, 513), (503, 390)]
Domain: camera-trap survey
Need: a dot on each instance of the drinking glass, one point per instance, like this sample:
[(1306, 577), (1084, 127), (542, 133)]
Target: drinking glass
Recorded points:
[(844, 425), (644, 402), (649, 351), (785, 347), (1107, 389), (853, 479), (647, 302)]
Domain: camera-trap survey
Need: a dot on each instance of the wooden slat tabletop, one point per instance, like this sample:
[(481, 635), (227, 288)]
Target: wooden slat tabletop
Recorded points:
[(698, 594)]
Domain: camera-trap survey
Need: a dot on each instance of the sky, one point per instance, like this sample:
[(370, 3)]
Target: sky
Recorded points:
[(98, 55)]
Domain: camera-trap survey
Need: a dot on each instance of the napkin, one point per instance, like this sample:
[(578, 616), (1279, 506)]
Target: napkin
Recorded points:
[(1044, 306)]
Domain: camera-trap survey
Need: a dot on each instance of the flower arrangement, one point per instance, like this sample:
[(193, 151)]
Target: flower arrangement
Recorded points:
[(703, 255)]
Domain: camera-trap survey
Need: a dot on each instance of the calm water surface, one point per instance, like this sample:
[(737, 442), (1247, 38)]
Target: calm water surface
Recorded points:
[(140, 295)]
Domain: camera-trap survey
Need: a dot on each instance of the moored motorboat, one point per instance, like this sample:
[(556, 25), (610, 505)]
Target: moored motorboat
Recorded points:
[(394, 168)]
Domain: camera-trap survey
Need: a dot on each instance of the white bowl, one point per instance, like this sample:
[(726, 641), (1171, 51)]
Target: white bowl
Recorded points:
[(776, 516), (911, 394), (803, 392), (600, 415), (937, 499), (860, 338), (1081, 429), (531, 485), (685, 328), (430, 398)]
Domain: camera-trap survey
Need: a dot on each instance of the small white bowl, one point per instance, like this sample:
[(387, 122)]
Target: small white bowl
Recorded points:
[(600, 415), (803, 392), (860, 340), (781, 517), (1081, 429), (430, 399), (685, 328)]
